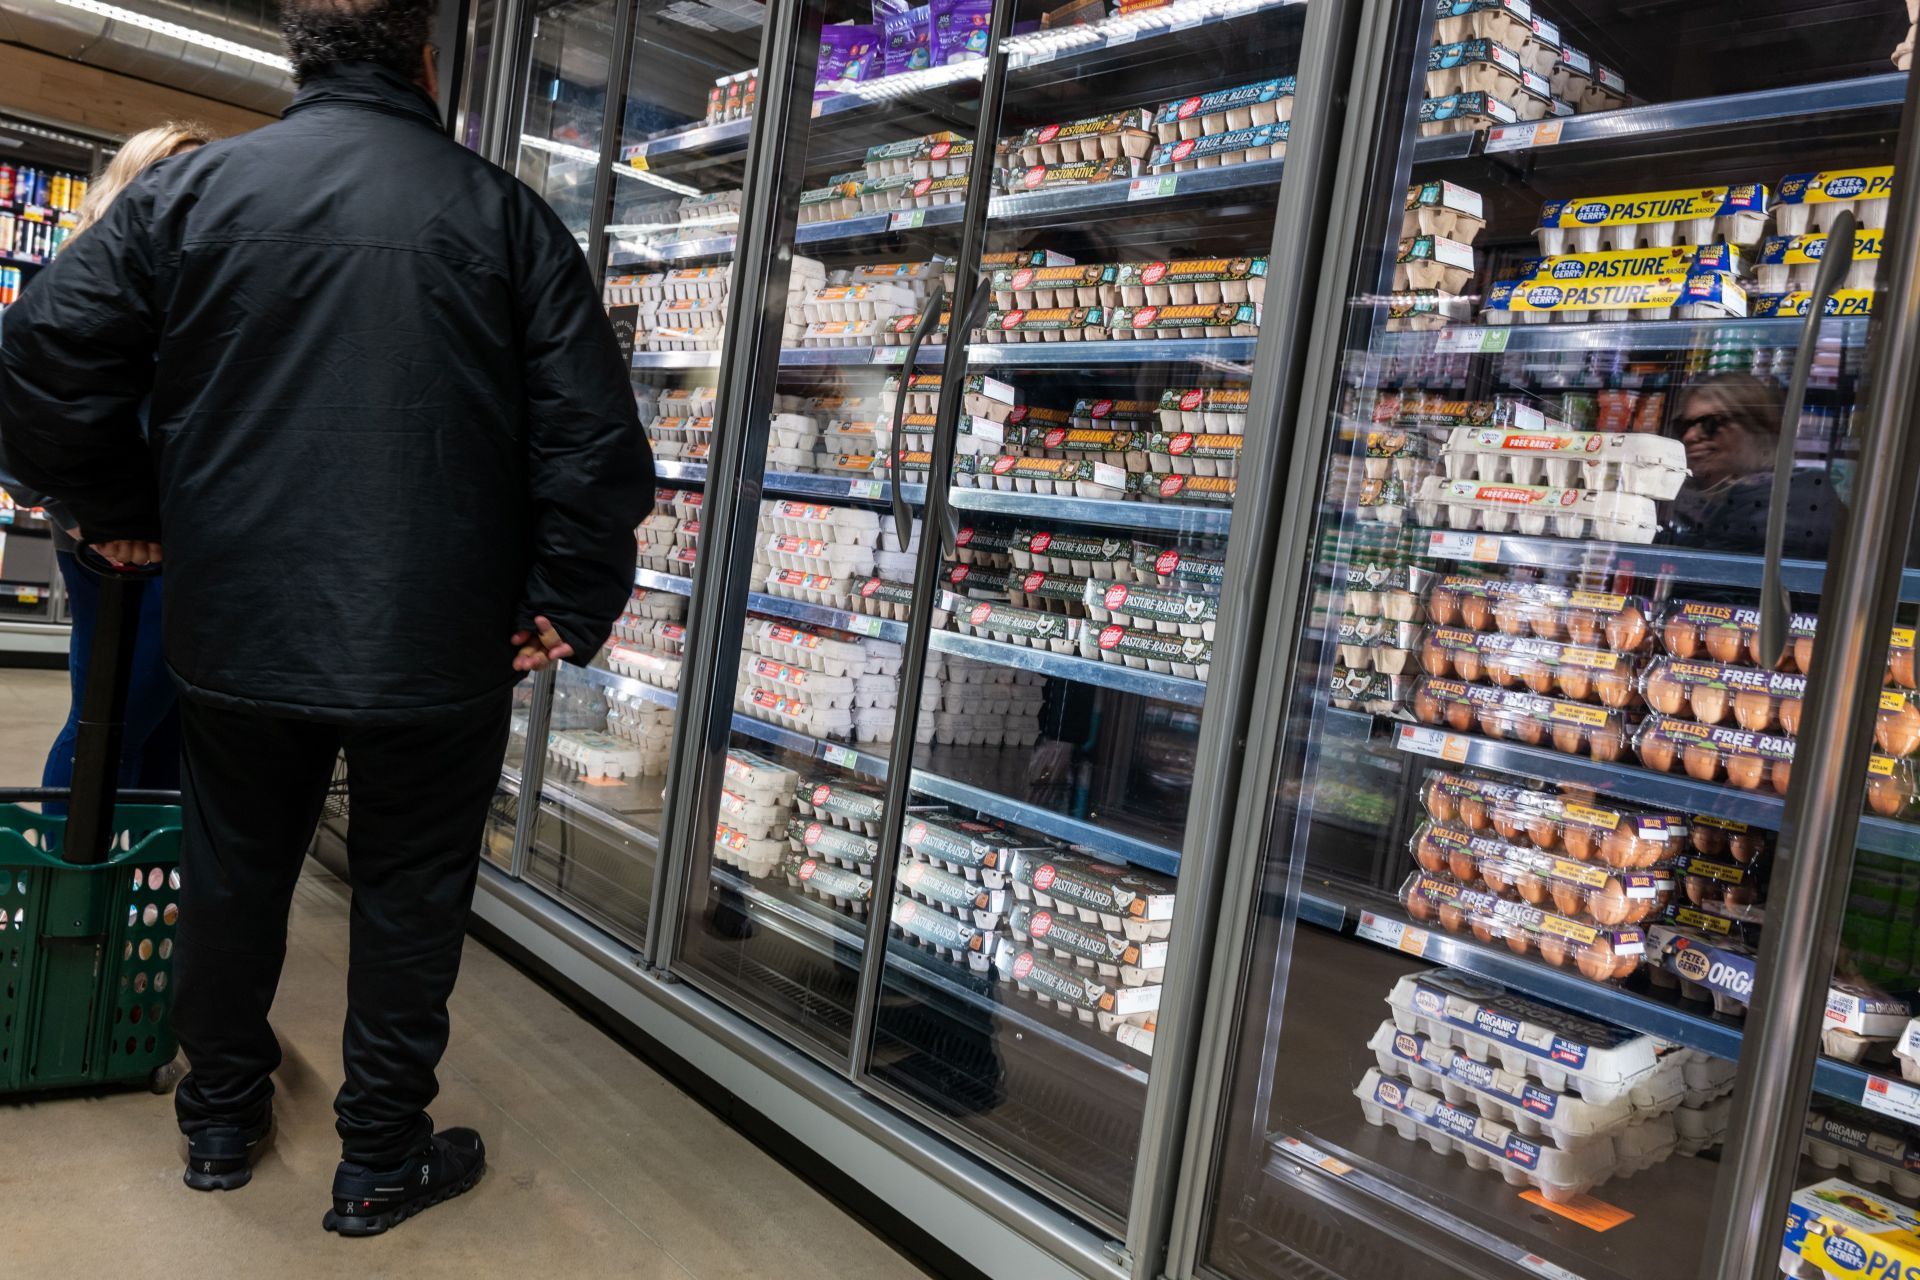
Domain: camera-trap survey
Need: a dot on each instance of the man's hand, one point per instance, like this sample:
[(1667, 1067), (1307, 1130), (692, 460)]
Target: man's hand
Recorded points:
[(539, 648), (123, 554)]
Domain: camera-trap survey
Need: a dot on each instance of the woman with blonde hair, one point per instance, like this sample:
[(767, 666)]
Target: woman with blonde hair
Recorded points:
[(150, 756)]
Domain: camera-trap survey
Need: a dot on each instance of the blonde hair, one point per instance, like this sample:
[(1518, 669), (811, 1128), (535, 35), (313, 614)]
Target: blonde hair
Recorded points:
[(135, 157)]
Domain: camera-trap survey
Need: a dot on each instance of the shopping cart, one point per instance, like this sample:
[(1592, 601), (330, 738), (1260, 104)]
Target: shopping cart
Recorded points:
[(89, 900)]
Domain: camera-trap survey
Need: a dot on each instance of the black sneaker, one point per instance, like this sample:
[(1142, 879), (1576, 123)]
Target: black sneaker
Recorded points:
[(367, 1202), (221, 1158)]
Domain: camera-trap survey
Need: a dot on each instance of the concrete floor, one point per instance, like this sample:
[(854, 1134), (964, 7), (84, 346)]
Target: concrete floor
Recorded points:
[(597, 1166)]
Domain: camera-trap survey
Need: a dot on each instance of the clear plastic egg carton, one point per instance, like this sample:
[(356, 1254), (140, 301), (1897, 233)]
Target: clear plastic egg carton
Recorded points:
[(1869, 1149), (1109, 954), (950, 891), (1111, 1008), (1808, 202), (1637, 463), (956, 941), (1567, 1052), (589, 753), (845, 890), (1265, 102), (841, 803), (1120, 899), (812, 837), (1167, 611), (649, 666), (1535, 510)]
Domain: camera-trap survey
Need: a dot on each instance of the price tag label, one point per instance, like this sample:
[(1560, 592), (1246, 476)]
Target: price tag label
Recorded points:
[(1315, 1156), (1478, 547), (1157, 188), (1109, 476), (994, 389), (1540, 1266), (1045, 53), (863, 488), (890, 355), (28, 596), (1392, 933), (907, 220), (1490, 340), (1517, 137), (1892, 1098), (638, 160), (1127, 36), (845, 757), (1420, 740), (861, 625), (1189, 16), (987, 429)]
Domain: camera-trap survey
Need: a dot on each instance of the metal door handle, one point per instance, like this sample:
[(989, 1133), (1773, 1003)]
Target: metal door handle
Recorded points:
[(902, 515), (1775, 607), (976, 312)]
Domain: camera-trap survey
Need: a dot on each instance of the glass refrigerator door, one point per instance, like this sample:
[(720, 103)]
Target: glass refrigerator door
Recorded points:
[(1521, 847), (668, 215)]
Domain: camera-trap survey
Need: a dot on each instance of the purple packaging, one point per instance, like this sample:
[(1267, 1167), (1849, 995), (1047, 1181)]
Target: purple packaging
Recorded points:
[(906, 34), (959, 30), (848, 55)]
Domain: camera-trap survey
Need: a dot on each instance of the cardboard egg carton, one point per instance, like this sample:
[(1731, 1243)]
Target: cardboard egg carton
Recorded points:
[(1837, 1228), (1490, 68), (1088, 555), (1207, 410), (879, 598), (1010, 624), (751, 774), (710, 206), (920, 277), (1443, 210), (775, 705), (1174, 486), (1124, 900), (843, 526), (810, 837), (840, 198), (986, 547), (1863, 1022), (1122, 449), (1053, 592), (1267, 102), (968, 900), (1166, 285), (813, 588), (1185, 614), (1118, 135), (835, 693), (1873, 1150), (1111, 1007), (1055, 177), (661, 637), (679, 431), (851, 806), (1585, 84), (1025, 288), (1789, 263), (1648, 465), (978, 851), (1110, 955), (813, 555), (893, 158), (1508, 21), (931, 193), (1460, 112), (696, 283), (828, 652), (1051, 324), (846, 890), (1809, 202), (1190, 658), (1183, 453), (857, 302), (947, 936), (756, 857), (1202, 320), (1433, 263), (844, 333), (1211, 151), (1077, 477), (1535, 510), (588, 753), (687, 402), (1425, 311)]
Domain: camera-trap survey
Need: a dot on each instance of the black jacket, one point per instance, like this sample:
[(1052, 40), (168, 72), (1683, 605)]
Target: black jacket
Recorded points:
[(389, 422)]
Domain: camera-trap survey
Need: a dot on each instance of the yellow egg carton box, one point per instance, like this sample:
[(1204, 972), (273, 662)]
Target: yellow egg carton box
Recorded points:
[(1835, 1228)]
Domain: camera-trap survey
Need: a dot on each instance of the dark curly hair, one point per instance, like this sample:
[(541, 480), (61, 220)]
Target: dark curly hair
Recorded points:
[(320, 33)]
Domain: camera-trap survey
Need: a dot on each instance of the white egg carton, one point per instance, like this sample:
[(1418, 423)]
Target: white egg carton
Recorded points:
[(953, 893), (874, 726), (646, 633), (1874, 1151), (854, 437), (963, 729), (1417, 1115), (1792, 262), (755, 857), (796, 431), (751, 774), (857, 302), (1564, 1051), (1010, 624), (842, 526), (846, 889), (1707, 1078), (1638, 463), (817, 556), (646, 665), (776, 705), (817, 687), (1809, 202), (814, 588), (685, 504), (711, 204), (1700, 216), (1108, 953), (843, 333), (592, 754), (840, 198), (1535, 510), (1224, 110), (656, 606), (689, 283), (955, 940), (804, 647), (673, 430), (1701, 1127)]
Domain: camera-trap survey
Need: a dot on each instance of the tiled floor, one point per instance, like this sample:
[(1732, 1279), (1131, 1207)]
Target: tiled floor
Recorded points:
[(597, 1165)]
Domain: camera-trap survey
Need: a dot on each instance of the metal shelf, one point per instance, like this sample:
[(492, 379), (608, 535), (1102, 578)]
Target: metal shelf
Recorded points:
[(677, 360), (1147, 191), (563, 794), (637, 254), (1631, 335), (1050, 822), (835, 357), (627, 684), (888, 89), (837, 753), (728, 135), (820, 615), (1105, 512), (879, 224), (1091, 671), (1225, 355), (653, 580), (680, 472), (1034, 49)]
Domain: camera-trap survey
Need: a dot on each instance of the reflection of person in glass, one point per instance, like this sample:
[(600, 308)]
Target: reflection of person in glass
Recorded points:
[(1730, 425)]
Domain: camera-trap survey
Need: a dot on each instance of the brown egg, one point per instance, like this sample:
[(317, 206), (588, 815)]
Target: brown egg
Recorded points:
[(1724, 643), (1618, 849), (1745, 846), (1782, 775), (1452, 918), (1609, 904), (1530, 731), (1428, 852), (1475, 612), (1492, 723), (1698, 889), (1886, 796), (1460, 715), (1746, 772), (1657, 753), (1702, 761), (1753, 709), (1680, 638), (1531, 888), (1607, 743), (1538, 677), (1553, 950), (1580, 842), (1626, 630), (1709, 704), (1583, 628), (1596, 961), (1900, 667), (1466, 665), (1543, 832), (1511, 616), (1433, 658), (1443, 607), (1568, 738), (1574, 682), (1740, 895), (1614, 687), (1439, 802), (1898, 729), (1708, 839), (1665, 694), (1510, 823), (1790, 716), (1568, 898), (1460, 863), (1417, 905), (1485, 930), (1548, 624), (1624, 965), (1518, 942), (1757, 658), (1496, 874), (1427, 708), (1803, 653)]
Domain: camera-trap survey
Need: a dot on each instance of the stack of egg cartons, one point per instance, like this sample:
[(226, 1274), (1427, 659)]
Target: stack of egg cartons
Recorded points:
[(920, 277), (710, 211), (1499, 62), (755, 801), (822, 682), (1542, 1096), (985, 704), (1089, 938), (684, 309), (1435, 261), (815, 552), (681, 424), (952, 898), (840, 198), (649, 641), (581, 741), (849, 314), (668, 540)]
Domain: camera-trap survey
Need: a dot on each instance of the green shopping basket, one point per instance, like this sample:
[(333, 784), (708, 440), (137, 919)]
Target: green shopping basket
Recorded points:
[(89, 900)]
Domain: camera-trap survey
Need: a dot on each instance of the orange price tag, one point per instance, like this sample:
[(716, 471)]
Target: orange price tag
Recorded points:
[(1595, 1215)]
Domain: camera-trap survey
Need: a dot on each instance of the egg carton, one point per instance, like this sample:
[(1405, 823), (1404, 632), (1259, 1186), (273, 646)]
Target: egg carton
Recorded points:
[(710, 205), (882, 692), (1841, 302), (687, 402), (816, 687), (1168, 612), (839, 199), (1185, 283), (919, 276), (931, 193), (1053, 592), (755, 858), (1808, 202), (964, 729), (952, 939), (977, 545), (777, 705), (655, 606), (1109, 954), (1872, 1150), (814, 588), (842, 333), (952, 892), (647, 633), (941, 158), (816, 556), (1075, 992), (1565, 1051), (672, 430), (1065, 286), (1266, 102), (1837, 1228), (1189, 658), (1734, 215), (1507, 21), (879, 598), (695, 283), (1172, 486), (892, 158), (1087, 555), (1443, 210), (835, 845), (1788, 263), (848, 805), (856, 302), (840, 526), (1863, 1022), (846, 890), (1536, 510), (1491, 68), (1122, 449), (1646, 465), (978, 851), (1464, 112), (1432, 263), (1118, 899), (830, 653), (1121, 134), (1009, 624), (1183, 453), (1425, 311), (1048, 324), (1076, 477), (883, 195), (1017, 181), (750, 774), (684, 504), (1214, 150), (647, 665), (593, 754), (1204, 410)]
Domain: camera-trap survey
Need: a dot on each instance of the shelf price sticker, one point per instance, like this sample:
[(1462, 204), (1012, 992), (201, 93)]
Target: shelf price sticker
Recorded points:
[(863, 488), (845, 757), (1891, 1098), (1471, 340), (1309, 1154), (1420, 740), (861, 624), (1154, 188), (890, 355), (907, 220), (1478, 547), (1392, 933), (1540, 1266), (1518, 137)]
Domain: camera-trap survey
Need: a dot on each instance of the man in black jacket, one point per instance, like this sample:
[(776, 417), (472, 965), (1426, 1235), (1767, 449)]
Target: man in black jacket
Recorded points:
[(393, 461)]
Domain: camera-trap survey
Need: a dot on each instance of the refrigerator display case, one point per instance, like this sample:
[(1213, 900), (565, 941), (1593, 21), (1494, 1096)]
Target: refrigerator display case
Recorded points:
[(1536, 942)]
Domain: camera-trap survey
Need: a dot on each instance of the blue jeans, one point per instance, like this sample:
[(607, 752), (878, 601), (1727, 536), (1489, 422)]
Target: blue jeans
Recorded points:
[(150, 753)]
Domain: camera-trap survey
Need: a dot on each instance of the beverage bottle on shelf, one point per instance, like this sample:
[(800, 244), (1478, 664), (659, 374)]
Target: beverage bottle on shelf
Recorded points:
[(79, 192), (57, 191), (6, 183)]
